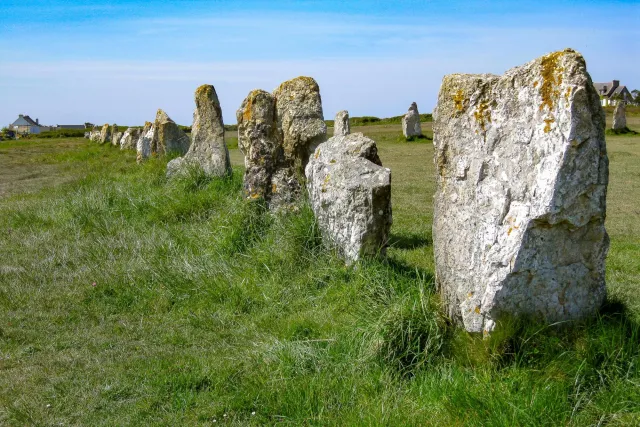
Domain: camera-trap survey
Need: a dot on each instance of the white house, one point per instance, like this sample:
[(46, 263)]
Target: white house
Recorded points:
[(611, 91), (25, 124)]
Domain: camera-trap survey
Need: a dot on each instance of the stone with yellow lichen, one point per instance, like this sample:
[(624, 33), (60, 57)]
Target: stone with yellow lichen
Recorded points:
[(520, 201), (168, 137), (105, 134), (277, 133), (208, 150)]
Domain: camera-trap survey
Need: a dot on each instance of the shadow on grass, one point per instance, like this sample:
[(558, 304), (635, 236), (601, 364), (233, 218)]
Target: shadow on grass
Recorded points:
[(409, 241)]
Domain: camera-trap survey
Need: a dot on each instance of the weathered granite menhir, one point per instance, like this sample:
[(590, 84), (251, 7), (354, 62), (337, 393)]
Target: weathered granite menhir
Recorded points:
[(105, 134), (520, 202), (350, 193), (277, 133), (411, 122), (143, 146), (208, 150), (341, 125), (620, 116), (168, 137), (130, 138), (115, 135)]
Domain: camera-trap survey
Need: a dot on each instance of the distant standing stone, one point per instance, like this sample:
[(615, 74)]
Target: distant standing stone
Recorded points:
[(411, 122), (105, 134), (168, 137), (350, 193), (620, 116), (208, 149), (520, 202), (143, 146), (115, 135), (130, 138), (341, 124)]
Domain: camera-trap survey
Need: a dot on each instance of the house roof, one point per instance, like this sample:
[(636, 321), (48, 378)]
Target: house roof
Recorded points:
[(605, 89), (24, 121)]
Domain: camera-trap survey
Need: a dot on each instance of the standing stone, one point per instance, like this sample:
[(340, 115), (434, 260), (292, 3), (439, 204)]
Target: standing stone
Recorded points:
[(257, 139), (341, 124), (620, 116), (87, 135), (350, 193), (94, 135), (208, 149), (277, 133), (105, 134), (130, 138), (411, 122), (143, 146), (168, 137), (115, 135), (521, 186)]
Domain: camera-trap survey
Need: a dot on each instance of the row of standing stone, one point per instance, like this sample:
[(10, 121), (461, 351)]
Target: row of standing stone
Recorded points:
[(521, 181)]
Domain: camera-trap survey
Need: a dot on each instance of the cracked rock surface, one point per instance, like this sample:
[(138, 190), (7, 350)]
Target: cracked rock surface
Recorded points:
[(520, 203), (350, 193), (620, 116), (277, 133)]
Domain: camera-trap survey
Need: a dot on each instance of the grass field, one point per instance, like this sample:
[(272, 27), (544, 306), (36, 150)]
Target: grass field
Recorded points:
[(129, 300)]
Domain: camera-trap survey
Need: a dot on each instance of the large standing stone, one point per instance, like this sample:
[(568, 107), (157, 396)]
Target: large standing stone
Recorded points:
[(341, 124), (277, 133), (143, 146), (94, 135), (350, 193), (411, 122), (116, 135), (168, 137), (130, 138), (520, 203), (105, 134), (208, 149), (620, 116)]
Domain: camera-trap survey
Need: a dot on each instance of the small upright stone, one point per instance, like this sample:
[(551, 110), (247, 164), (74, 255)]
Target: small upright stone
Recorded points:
[(105, 134), (208, 149), (94, 135), (143, 146), (130, 138), (411, 122), (350, 193), (115, 135), (620, 116), (168, 137), (341, 124), (520, 201)]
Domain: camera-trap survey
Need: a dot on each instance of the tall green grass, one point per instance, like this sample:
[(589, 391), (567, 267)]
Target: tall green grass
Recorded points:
[(128, 299)]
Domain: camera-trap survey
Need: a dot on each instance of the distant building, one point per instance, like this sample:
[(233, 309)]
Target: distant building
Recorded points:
[(26, 125), (69, 127), (612, 91)]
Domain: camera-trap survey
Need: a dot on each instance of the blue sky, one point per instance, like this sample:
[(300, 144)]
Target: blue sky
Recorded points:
[(67, 62)]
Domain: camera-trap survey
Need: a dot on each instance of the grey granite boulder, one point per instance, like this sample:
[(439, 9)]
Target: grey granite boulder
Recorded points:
[(143, 146), (130, 138), (350, 193), (208, 149), (411, 122), (168, 137), (521, 187), (620, 116), (341, 124), (277, 133), (105, 134), (94, 135)]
